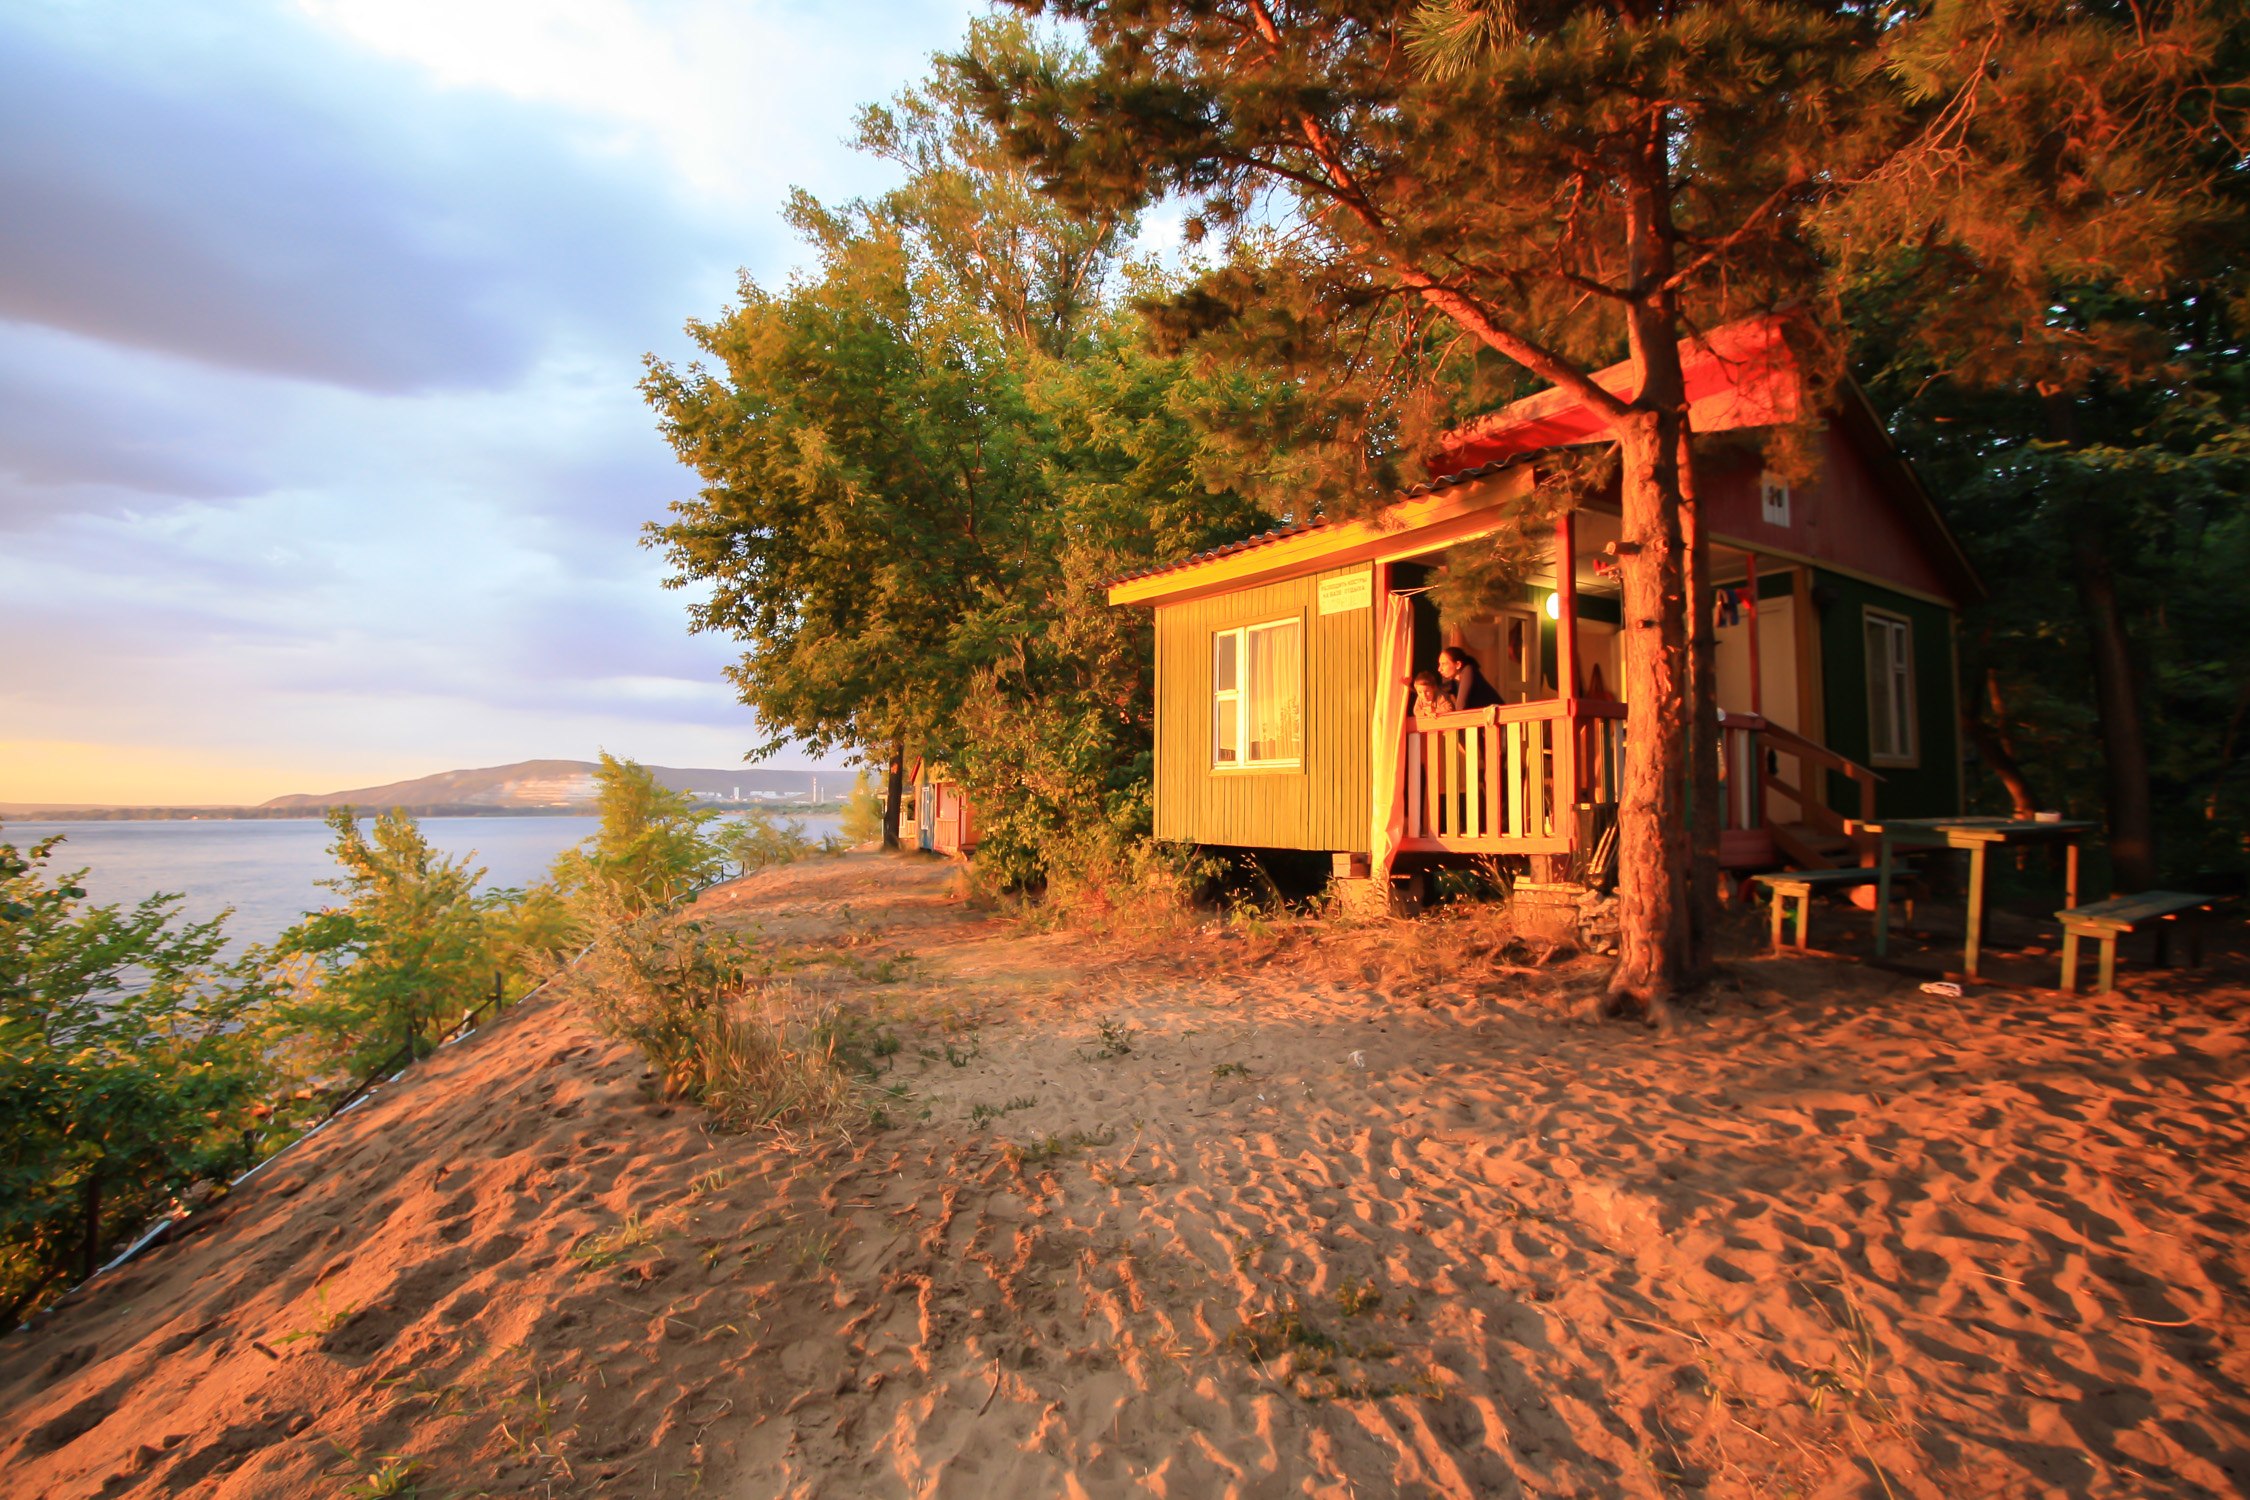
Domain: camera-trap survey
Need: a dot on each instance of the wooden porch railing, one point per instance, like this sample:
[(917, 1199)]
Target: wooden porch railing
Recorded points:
[(1746, 741), (1485, 781)]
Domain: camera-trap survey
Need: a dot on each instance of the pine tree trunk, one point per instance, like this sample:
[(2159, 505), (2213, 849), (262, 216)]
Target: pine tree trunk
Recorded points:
[(1993, 746), (2117, 693), (895, 795), (1652, 833), (1703, 758)]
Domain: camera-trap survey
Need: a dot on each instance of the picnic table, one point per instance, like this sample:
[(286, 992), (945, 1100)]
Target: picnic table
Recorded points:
[(1978, 836)]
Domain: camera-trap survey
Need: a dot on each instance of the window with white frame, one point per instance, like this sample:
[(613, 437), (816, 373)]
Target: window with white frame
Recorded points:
[(1773, 493), (1257, 695), (1890, 688)]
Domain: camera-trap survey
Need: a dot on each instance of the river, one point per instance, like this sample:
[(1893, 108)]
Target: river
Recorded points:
[(269, 870)]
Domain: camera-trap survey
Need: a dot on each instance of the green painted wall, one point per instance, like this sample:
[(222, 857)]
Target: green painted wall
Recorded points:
[(1323, 802), (1931, 787)]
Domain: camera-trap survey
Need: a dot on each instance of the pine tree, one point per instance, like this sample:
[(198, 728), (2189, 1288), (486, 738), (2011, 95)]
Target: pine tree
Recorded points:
[(1566, 182)]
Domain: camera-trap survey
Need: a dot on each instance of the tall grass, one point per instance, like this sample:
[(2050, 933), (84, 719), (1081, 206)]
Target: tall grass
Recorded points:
[(687, 996)]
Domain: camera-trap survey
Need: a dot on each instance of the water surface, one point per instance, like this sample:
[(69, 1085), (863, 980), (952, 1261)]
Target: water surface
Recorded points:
[(269, 870)]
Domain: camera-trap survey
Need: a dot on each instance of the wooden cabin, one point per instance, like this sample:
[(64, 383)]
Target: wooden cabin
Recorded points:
[(944, 823), (1282, 717)]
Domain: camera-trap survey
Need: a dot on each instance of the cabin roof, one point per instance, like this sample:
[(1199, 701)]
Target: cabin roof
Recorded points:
[(1740, 375), (1458, 506), (1290, 529)]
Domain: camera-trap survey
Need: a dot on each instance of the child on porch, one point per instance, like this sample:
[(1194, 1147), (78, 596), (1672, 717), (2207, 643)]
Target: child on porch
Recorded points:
[(1430, 696)]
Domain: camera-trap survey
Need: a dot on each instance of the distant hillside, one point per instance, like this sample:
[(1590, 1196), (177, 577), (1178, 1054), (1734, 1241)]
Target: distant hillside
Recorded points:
[(557, 783)]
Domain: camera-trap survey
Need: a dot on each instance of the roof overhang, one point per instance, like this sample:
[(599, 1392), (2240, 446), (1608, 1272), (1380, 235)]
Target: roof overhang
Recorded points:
[(1396, 531), (1741, 375)]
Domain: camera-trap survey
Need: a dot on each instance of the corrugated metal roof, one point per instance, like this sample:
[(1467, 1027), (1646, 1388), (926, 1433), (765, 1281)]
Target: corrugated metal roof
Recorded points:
[(1299, 528)]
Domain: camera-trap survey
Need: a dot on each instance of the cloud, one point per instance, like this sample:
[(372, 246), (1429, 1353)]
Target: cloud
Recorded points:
[(306, 212), (320, 332)]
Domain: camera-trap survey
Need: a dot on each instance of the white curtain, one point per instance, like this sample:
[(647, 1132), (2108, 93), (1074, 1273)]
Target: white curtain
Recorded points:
[(1386, 751)]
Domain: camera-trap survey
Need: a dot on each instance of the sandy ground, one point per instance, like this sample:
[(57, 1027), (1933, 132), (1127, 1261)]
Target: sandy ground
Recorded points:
[(1245, 1217)]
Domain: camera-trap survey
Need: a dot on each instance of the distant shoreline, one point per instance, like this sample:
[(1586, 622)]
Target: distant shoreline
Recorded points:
[(437, 810)]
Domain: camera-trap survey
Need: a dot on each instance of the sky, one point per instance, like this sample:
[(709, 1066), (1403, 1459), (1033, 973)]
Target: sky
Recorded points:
[(322, 461)]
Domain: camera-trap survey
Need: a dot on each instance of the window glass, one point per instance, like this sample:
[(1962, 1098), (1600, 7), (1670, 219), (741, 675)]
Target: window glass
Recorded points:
[(1276, 714), (1226, 708), (1890, 688), (1257, 695)]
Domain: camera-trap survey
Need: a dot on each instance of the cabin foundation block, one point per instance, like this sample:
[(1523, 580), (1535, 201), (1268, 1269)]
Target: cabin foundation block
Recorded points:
[(1546, 913), (1361, 898)]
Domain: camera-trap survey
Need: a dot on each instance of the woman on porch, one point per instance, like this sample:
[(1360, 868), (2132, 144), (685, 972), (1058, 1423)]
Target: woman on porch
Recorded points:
[(1466, 679)]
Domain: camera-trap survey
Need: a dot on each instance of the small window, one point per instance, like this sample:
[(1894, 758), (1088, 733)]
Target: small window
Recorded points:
[(1257, 696), (1773, 493), (1890, 689)]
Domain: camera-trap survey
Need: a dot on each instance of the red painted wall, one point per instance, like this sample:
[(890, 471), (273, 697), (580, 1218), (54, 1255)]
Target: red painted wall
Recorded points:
[(1843, 516)]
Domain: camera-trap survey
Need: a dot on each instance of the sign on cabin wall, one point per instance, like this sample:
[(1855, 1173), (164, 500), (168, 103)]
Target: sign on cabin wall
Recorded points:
[(1342, 595)]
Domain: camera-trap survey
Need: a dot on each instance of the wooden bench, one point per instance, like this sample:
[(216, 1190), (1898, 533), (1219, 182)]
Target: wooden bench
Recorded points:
[(2107, 921), (1800, 885)]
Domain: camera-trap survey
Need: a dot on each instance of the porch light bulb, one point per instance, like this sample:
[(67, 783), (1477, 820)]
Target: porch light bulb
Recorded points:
[(1554, 606)]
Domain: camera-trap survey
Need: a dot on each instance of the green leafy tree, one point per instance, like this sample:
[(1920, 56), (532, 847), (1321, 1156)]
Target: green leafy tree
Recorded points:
[(755, 841), (653, 848), (405, 955), (1567, 183), (869, 461), (863, 812), (134, 1062), (1054, 737)]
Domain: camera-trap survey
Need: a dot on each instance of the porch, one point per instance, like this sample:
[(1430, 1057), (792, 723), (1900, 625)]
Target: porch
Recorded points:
[(1539, 775)]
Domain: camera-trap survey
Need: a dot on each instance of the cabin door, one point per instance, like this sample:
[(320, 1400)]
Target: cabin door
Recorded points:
[(1506, 646), (1777, 675)]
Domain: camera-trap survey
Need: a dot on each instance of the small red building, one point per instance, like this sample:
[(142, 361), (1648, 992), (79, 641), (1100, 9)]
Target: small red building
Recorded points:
[(943, 820)]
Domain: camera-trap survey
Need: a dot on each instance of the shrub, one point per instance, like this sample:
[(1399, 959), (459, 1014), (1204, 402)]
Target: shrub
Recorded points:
[(650, 851), (133, 1064), (405, 955), (863, 813), (755, 841), (682, 993)]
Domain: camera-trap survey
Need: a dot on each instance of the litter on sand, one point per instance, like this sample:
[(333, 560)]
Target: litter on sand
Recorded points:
[(1944, 987)]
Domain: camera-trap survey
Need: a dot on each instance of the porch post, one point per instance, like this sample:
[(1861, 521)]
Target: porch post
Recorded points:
[(1754, 786), (1757, 682), (1566, 670), (1566, 624)]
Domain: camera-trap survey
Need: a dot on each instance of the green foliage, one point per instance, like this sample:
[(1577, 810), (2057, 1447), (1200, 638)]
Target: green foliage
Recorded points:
[(133, 1058), (754, 841), (863, 813), (923, 463), (680, 991), (403, 957), (651, 850), (533, 930), (2142, 477)]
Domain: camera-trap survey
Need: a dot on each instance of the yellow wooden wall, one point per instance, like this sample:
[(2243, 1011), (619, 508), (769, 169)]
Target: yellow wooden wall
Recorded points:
[(1323, 804)]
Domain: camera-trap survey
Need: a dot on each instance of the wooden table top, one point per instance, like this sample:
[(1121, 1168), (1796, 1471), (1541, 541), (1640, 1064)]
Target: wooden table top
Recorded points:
[(1961, 832)]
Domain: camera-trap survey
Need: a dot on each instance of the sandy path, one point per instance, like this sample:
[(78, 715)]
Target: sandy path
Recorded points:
[(1282, 1229)]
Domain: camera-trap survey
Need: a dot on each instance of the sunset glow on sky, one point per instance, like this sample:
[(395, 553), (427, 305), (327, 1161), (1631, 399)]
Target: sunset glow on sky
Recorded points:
[(322, 461)]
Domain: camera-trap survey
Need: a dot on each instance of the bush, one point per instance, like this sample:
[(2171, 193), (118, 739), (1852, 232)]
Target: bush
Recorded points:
[(863, 813), (650, 851), (682, 993), (755, 842), (407, 954), (1103, 881), (134, 1060)]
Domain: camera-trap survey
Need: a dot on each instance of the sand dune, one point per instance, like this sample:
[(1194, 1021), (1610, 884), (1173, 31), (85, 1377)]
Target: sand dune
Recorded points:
[(1239, 1218)]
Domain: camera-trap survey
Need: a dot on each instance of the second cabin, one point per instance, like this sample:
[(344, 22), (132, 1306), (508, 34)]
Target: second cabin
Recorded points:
[(1284, 721)]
